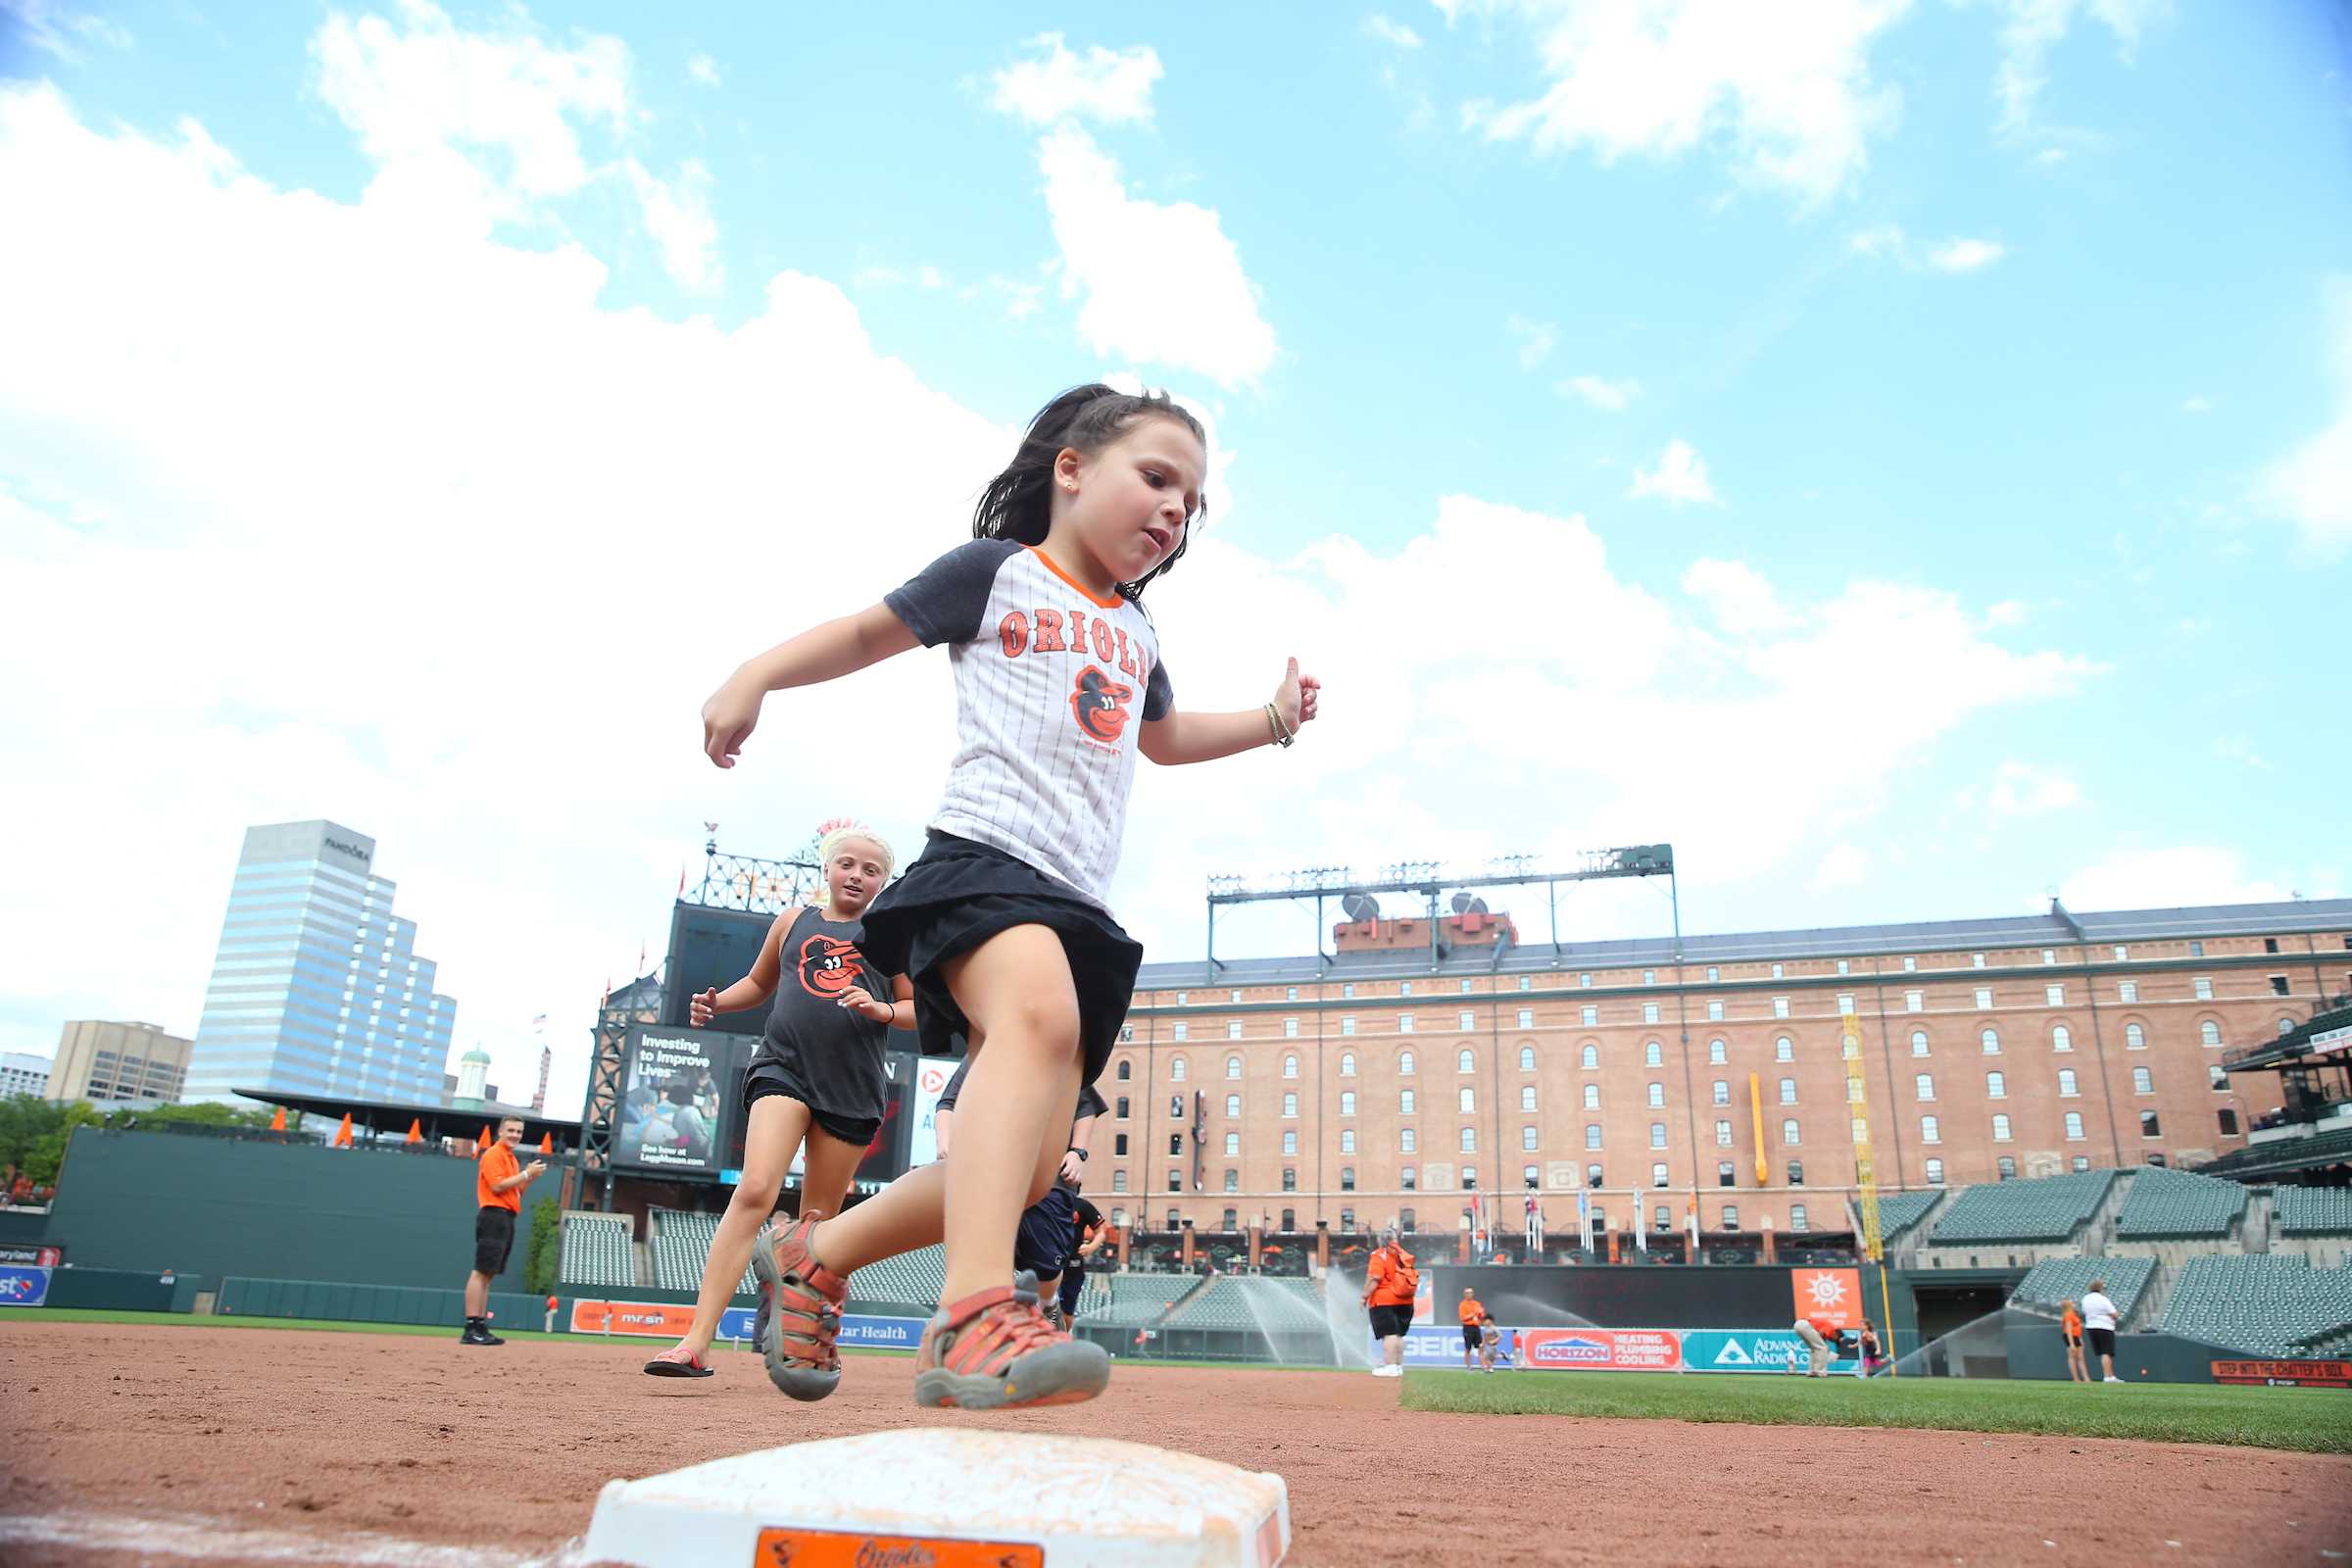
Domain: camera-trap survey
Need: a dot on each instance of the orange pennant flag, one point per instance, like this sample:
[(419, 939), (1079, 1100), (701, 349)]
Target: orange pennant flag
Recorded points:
[(481, 1139), (546, 1143), (343, 1133), (277, 1123), (415, 1131)]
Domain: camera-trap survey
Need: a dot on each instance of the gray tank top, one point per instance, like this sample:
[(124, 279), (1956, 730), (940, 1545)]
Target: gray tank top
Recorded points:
[(835, 1053)]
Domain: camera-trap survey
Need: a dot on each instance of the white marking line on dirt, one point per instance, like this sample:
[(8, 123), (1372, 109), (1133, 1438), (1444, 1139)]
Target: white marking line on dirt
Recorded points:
[(187, 1536)]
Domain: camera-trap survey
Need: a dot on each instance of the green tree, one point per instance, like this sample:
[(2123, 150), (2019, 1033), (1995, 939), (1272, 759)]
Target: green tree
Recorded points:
[(545, 1251), (48, 1154), (24, 1120)]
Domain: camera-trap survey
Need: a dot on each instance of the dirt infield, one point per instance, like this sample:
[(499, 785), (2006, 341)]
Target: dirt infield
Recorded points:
[(249, 1445)]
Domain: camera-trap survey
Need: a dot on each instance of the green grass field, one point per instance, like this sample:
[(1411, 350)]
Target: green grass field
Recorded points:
[(2304, 1420)]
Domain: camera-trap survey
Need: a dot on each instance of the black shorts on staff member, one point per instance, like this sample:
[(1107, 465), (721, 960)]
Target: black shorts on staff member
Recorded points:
[(493, 1240), (2102, 1341), (1391, 1322), (1470, 1337)]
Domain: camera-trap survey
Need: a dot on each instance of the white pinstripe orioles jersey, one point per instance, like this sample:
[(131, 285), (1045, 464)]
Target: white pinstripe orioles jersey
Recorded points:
[(1047, 676)]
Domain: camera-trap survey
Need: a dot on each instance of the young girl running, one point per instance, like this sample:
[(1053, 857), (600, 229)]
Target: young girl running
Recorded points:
[(1001, 922), (815, 1084)]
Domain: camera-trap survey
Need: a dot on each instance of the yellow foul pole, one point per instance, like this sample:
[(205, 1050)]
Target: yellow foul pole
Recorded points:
[(1866, 1181)]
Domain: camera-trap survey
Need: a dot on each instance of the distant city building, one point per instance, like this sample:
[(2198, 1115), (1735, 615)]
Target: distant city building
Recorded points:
[(22, 1073), (134, 1063), (316, 987), (449, 1089)]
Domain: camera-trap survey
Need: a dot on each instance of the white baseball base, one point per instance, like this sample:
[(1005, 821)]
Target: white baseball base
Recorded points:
[(952, 1499)]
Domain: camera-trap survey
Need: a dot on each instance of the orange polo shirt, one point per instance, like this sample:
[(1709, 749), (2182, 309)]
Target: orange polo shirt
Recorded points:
[(498, 1162), (1387, 1279), (2071, 1323), (1470, 1312)]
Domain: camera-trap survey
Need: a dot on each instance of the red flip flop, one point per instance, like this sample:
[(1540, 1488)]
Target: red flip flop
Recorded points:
[(677, 1362)]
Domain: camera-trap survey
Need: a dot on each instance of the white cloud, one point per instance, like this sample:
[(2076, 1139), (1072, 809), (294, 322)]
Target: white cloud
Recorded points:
[(2234, 749), (1110, 85), (340, 580), (2022, 790), (1955, 254), (2034, 28), (1965, 255), (1786, 89), (56, 28), (1681, 475), (468, 129), (2197, 404), (1844, 866), (2165, 879), (1395, 32), (1610, 397), (2312, 485), (2007, 612), (1159, 282), (677, 214), (703, 69), (1738, 597), (1535, 341)]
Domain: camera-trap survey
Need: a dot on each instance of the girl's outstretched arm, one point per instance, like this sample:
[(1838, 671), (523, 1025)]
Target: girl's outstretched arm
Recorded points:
[(1205, 737), (824, 652)]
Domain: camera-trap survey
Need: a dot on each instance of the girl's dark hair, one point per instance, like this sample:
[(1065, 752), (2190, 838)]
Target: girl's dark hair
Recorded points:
[(1018, 503)]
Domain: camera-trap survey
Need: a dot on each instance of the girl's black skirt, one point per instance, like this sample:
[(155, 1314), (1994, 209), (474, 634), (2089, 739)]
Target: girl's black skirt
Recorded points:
[(956, 895)]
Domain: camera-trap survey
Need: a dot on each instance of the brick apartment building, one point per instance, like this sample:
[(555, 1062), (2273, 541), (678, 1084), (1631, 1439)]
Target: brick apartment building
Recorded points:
[(1378, 1083)]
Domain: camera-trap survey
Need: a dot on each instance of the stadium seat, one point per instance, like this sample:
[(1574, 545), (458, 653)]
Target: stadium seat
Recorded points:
[(2049, 1208), (1259, 1304), (2171, 1204), (596, 1251), (681, 1245), (2264, 1306), (2314, 1211), (2054, 1281), (1899, 1213)]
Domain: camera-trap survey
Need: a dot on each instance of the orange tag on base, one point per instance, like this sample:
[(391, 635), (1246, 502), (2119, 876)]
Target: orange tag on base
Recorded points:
[(836, 1549)]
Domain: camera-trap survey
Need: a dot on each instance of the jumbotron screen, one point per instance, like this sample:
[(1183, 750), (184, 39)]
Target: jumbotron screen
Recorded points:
[(682, 1113)]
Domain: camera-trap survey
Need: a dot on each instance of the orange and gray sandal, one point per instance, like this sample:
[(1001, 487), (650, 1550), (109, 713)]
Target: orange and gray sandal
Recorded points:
[(678, 1362), (995, 1351), (801, 1301)]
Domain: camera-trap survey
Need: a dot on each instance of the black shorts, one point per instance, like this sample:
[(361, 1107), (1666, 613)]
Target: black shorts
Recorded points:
[(959, 894), (493, 1239), (767, 1078), (1390, 1322), (1047, 1236), (1470, 1337), (2102, 1342), (2073, 1341)]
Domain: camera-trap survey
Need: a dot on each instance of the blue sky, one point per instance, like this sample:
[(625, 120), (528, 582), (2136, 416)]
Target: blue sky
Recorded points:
[(1900, 453)]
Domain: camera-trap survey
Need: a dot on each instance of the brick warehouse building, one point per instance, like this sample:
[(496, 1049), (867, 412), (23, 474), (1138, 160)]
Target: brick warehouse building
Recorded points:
[(1369, 1085)]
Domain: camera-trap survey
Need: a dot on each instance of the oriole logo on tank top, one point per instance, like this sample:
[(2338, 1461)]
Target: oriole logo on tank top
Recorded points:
[(828, 967)]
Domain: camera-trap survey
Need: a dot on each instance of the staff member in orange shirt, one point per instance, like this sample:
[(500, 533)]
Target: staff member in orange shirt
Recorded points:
[(498, 1183), (1389, 1286), (2070, 1323), (1819, 1334), (1473, 1316)]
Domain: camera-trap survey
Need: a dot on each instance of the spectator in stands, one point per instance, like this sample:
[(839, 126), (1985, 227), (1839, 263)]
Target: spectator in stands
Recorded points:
[(1389, 1287), (2099, 1318), (498, 1183), (1819, 1334), (1472, 1315), (2070, 1324)]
